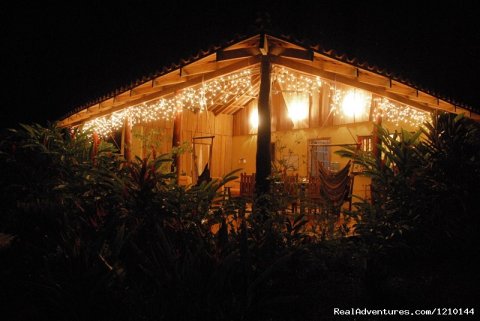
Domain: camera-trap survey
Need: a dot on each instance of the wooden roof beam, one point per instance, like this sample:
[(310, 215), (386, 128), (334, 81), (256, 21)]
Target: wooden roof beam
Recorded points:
[(443, 105), (94, 109), (143, 88), (242, 64), (425, 98), (234, 99), (460, 110), (250, 42), (236, 53), (314, 70), (242, 101), (475, 116), (170, 80), (401, 89), (236, 107), (225, 105), (302, 54), (337, 68), (106, 103), (194, 69), (125, 96), (263, 45), (372, 79)]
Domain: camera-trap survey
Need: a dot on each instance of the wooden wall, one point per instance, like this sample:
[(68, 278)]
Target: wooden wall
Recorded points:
[(153, 136), (158, 136), (241, 120), (319, 114), (207, 124)]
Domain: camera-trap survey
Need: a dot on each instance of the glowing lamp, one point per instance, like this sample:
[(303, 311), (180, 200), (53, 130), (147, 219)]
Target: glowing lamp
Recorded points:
[(254, 118), (354, 103), (298, 108)]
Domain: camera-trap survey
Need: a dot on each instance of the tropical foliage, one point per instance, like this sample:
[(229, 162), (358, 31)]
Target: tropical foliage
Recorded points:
[(85, 235), (423, 221)]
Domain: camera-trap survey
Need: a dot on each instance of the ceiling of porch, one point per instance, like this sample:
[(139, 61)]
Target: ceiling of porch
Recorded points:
[(210, 81)]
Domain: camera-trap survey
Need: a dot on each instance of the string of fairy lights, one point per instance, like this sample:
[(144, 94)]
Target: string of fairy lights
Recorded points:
[(296, 83), (197, 99), (399, 114), (221, 90)]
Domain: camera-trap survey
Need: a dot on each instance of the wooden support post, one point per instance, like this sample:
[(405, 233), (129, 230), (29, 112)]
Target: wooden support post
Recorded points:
[(263, 158), (127, 142), (377, 154), (95, 143), (176, 137), (375, 140)]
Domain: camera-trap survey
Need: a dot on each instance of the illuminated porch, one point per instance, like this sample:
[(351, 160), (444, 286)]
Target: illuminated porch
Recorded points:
[(262, 98)]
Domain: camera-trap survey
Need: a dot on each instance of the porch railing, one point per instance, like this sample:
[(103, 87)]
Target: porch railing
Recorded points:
[(247, 185), (305, 193)]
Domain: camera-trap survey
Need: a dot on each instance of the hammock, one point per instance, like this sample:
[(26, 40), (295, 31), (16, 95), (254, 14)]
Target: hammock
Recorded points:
[(205, 176), (335, 186)]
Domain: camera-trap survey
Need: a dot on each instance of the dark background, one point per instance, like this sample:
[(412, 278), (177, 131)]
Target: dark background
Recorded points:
[(60, 56)]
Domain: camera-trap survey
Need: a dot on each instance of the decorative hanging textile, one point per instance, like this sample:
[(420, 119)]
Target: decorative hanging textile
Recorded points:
[(335, 186), (205, 176)]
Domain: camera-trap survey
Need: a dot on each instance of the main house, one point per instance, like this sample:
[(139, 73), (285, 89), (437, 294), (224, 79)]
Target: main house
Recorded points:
[(259, 99)]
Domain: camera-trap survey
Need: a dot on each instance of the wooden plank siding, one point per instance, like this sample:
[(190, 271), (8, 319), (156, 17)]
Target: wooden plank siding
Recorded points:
[(155, 136), (319, 114), (207, 124)]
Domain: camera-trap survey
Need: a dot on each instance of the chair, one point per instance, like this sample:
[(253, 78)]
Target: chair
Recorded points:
[(247, 185), (312, 194), (290, 183)]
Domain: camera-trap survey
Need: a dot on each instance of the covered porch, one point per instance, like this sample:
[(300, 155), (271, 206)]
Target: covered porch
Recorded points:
[(265, 104)]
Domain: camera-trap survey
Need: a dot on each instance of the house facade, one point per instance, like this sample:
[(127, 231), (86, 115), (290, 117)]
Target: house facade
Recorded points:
[(256, 100)]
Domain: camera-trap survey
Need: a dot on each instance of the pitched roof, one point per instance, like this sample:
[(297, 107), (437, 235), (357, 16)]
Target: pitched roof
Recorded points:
[(243, 52)]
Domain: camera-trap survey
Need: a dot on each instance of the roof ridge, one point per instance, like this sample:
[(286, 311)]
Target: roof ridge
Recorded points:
[(303, 42), (182, 62)]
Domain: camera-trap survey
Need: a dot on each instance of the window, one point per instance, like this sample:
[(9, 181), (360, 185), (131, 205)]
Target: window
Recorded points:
[(319, 152), (365, 143)]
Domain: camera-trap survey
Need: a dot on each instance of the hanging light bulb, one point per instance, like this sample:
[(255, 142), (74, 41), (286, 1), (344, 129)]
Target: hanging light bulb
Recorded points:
[(355, 103), (254, 118), (298, 107)]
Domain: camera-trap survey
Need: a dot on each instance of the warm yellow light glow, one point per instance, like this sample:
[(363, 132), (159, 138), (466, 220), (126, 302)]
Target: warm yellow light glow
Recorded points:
[(295, 82), (197, 99), (355, 103), (254, 118), (298, 107), (399, 113), (297, 89)]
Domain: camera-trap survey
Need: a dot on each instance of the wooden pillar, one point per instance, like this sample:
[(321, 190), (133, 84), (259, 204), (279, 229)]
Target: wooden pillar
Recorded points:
[(375, 140), (95, 143), (378, 157), (176, 137), (263, 158), (127, 142)]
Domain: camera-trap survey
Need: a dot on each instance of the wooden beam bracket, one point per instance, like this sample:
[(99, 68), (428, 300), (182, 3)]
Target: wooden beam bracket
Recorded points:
[(263, 45), (297, 53), (236, 53)]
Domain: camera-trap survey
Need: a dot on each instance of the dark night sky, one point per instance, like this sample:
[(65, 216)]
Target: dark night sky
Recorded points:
[(57, 57)]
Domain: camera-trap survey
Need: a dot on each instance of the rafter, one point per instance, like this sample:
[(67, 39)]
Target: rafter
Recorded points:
[(236, 53), (165, 91), (263, 45), (303, 67), (233, 100), (302, 54)]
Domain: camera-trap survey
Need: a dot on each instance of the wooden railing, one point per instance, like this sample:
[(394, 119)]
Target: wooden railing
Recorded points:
[(247, 185), (303, 192)]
